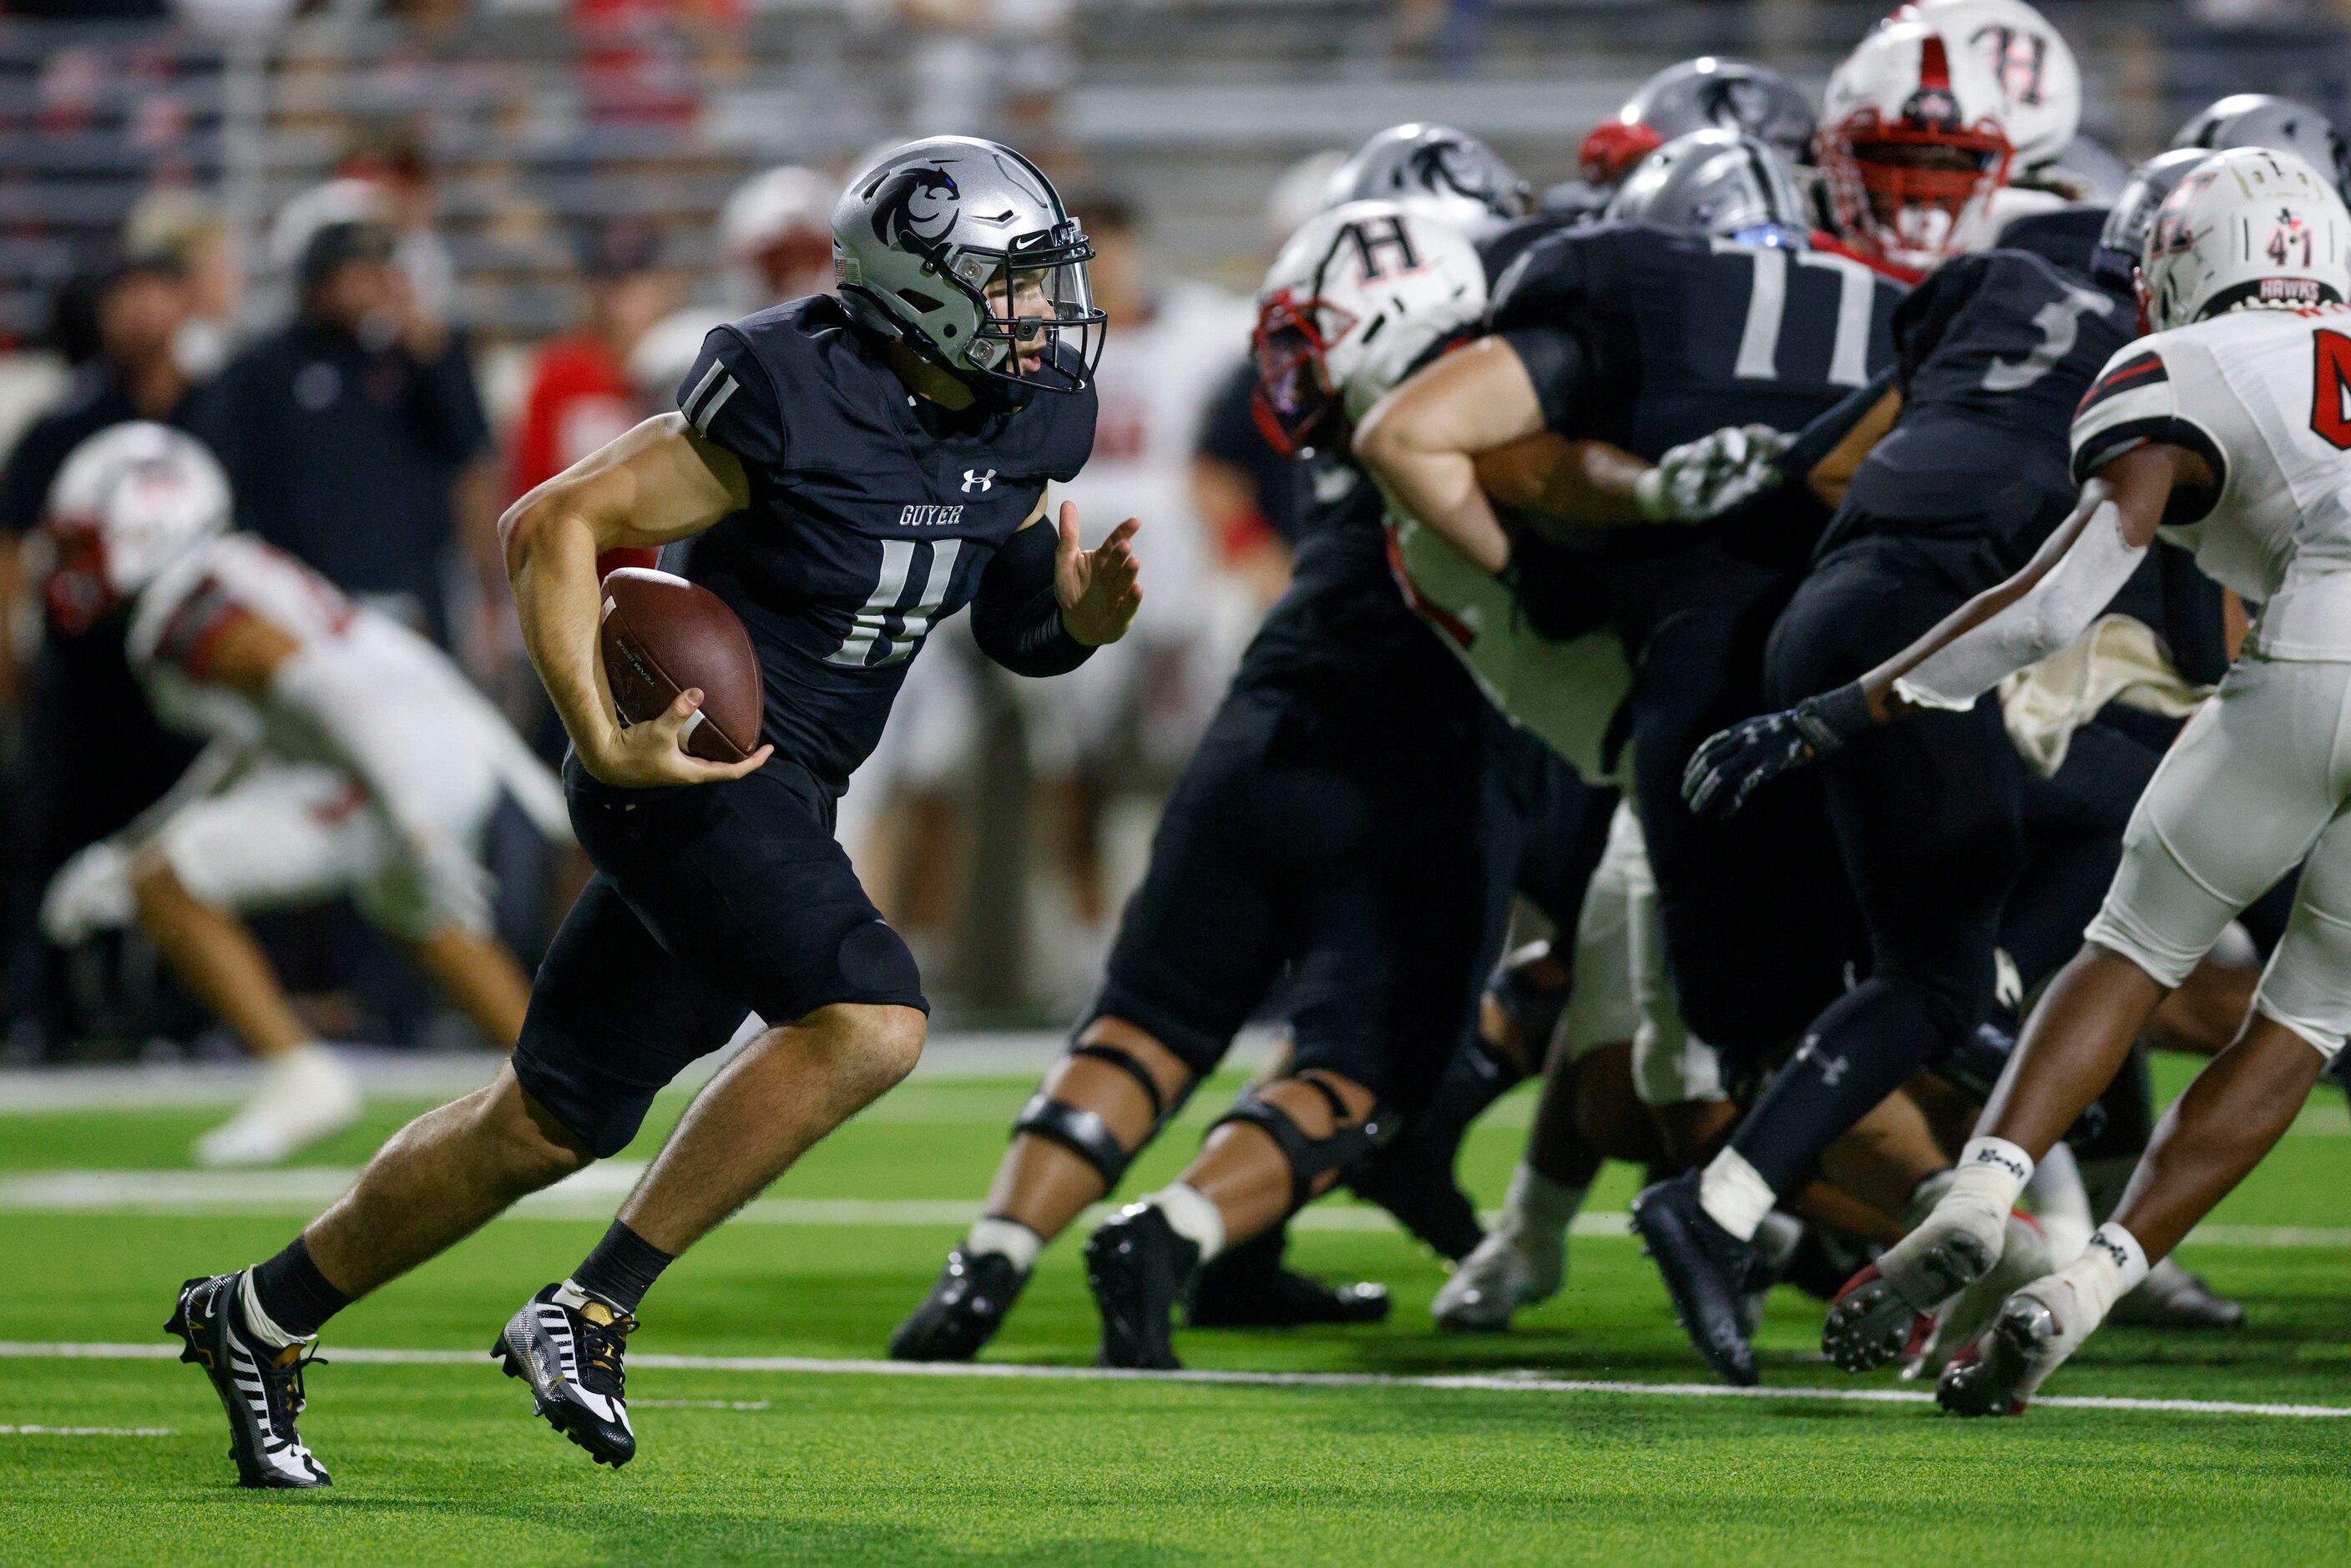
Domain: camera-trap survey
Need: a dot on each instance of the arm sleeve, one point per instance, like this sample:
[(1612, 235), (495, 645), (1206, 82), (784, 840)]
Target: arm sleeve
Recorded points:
[(2052, 613), (1014, 617), (729, 397)]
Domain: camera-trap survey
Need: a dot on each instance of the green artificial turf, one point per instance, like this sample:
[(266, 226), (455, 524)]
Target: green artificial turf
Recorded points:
[(442, 1463)]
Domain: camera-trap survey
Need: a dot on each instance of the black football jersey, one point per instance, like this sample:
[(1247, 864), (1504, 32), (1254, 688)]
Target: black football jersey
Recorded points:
[(872, 514), (1343, 625), (1680, 334), (1992, 353)]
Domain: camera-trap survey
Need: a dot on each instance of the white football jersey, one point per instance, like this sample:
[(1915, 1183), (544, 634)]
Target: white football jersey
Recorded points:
[(2265, 397), (420, 701)]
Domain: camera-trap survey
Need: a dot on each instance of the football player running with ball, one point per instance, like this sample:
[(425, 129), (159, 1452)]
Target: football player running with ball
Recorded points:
[(2227, 431), (857, 467)]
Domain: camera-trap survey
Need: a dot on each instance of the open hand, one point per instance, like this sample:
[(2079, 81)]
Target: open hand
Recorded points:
[(1098, 589), (651, 753)]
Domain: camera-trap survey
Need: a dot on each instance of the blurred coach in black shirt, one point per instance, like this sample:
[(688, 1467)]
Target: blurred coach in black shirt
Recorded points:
[(354, 436)]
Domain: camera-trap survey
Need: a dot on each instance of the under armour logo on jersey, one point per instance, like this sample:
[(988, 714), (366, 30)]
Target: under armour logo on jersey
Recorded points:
[(975, 481)]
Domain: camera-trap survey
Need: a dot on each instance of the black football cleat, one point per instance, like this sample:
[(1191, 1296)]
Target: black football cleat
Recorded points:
[(1999, 1374), (1138, 1269), (1247, 1288), (1706, 1272), (570, 1356), (964, 1310), (260, 1387)]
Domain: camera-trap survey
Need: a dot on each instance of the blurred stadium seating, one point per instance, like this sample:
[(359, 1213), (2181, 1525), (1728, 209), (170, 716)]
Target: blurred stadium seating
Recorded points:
[(534, 115)]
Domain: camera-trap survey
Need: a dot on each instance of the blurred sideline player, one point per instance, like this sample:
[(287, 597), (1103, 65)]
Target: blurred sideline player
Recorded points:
[(2231, 420), (851, 469), (580, 392), (347, 756), (775, 236)]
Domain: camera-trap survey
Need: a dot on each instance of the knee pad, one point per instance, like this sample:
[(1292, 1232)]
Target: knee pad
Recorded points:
[(1535, 1010), (1086, 1134), (1311, 1159)]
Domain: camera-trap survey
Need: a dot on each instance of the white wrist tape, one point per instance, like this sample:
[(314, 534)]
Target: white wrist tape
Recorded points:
[(2055, 611)]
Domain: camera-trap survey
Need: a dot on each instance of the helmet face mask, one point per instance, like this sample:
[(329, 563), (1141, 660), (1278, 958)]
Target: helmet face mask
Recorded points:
[(1914, 147), (75, 589), (961, 249), (1354, 302), (1295, 396)]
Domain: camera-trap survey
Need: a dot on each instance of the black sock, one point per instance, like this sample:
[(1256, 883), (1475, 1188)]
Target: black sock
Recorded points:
[(1864, 1047), (297, 1298), (622, 1268)]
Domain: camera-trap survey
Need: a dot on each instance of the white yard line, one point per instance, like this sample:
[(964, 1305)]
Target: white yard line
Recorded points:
[(301, 1191), (88, 1431), (1480, 1383)]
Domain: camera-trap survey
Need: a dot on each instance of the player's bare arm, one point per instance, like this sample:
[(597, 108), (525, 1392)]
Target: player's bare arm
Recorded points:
[(659, 482), (1422, 442)]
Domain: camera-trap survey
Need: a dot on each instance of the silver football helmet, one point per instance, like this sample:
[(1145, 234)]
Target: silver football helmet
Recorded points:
[(1727, 184), (960, 248), (2116, 259), (1449, 174), (1709, 93), (2264, 120)]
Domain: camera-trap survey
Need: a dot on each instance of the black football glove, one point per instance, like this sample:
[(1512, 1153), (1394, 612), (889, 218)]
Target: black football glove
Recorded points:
[(1725, 770)]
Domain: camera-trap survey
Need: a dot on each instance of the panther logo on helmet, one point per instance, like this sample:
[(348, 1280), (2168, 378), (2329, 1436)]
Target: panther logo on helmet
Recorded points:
[(895, 219)]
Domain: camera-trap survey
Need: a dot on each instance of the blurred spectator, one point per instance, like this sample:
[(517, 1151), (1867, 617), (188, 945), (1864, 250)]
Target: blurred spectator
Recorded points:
[(354, 436), (581, 394), (184, 229), (93, 755)]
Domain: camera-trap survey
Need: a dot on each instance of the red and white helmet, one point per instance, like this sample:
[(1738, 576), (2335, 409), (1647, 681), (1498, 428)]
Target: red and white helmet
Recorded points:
[(1914, 147), (2039, 80), (2255, 228), (1352, 302), (128, 502)]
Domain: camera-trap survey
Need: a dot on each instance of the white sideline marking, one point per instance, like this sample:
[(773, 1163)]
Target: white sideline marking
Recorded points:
[(1473, 1382), (302, 1190), (89, 1432)]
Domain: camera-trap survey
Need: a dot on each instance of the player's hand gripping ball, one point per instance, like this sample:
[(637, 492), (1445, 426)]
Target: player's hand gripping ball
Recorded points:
[(685, 679)]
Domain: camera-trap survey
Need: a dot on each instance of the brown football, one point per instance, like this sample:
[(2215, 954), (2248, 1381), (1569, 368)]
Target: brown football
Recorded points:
[(663, 635)]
